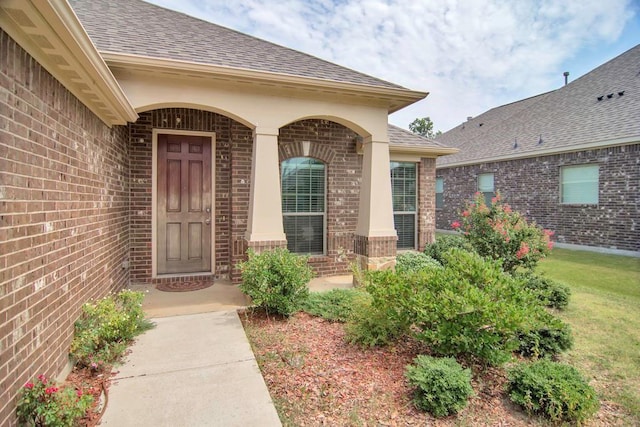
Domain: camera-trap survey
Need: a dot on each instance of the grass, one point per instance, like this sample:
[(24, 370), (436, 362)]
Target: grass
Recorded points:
[(604, 313)]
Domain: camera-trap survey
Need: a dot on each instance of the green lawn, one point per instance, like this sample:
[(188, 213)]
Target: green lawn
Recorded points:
[(604, 314)]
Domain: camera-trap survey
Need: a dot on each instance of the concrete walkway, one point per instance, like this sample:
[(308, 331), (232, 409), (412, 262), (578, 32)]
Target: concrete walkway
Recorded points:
[(196, 367), (191, 370)]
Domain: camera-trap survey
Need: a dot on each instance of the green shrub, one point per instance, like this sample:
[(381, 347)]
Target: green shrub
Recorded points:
[(552, 389), (386, 315), (500, 233), (336, 305), (473, 309), (552, 337), (442, 386), (551, 293), (42, 403), (412, 262), (276, 280), (106, 327), (437, 249)]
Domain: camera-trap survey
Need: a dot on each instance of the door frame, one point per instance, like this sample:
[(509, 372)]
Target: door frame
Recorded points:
[(154, 199)]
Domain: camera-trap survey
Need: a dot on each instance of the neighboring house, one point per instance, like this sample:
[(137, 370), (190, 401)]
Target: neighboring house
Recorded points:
[(141, 145), (568, 159)]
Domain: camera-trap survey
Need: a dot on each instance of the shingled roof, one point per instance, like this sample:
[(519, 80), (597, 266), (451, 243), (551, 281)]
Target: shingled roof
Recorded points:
[(138, 28), (402, 138), (602, 107)]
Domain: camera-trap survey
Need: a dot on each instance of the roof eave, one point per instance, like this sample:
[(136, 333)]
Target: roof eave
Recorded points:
[(548, 152), (396, 98), (422, 151), (50, 32)]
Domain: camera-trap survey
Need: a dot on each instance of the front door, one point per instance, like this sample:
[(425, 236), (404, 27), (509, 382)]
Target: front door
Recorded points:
[(184, 204)]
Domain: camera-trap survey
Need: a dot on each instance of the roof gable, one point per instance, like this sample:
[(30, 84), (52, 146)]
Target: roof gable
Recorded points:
[(135, 27), (567, 119)]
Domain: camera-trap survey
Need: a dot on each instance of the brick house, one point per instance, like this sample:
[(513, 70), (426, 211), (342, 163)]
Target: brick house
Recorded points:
[(153, 146), (569, 159)]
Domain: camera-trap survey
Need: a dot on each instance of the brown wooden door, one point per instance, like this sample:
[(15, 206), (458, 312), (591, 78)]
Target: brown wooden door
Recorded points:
[(184, 204)]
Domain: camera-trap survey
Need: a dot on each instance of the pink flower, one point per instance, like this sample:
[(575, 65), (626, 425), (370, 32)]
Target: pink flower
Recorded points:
[(51, 390), (42, 379), (455, 225), (28, 385), (79, 393), (549, 233), (507, 209), (465, 214), (524, 250), (494, 200), (549, 245)]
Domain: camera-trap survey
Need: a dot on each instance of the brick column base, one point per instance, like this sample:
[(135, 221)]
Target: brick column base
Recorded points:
[(375, 253)]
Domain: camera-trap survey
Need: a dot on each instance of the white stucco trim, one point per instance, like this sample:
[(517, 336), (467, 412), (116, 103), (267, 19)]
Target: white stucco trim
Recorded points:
[(154, 199)]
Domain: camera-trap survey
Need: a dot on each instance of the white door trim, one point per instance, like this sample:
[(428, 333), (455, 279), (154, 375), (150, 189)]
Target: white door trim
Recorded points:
[(154, 197)]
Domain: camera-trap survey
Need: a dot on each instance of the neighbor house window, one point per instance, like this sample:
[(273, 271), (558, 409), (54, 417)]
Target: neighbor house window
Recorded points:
[(579, 184), (486, 187), (404, 194), (439, 193), (303, 205)]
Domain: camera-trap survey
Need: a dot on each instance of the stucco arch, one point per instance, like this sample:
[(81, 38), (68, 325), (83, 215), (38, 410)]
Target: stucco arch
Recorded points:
[(194, 106), (357, 128)]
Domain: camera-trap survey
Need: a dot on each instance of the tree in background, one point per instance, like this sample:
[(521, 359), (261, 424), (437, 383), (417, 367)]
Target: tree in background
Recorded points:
[(424, 127)]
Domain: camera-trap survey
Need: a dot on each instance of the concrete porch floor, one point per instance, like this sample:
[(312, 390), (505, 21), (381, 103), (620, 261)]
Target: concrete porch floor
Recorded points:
[(222, 296)]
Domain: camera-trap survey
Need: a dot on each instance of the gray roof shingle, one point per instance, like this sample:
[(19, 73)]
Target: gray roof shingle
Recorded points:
[(139, 28), (569, 116), (399, 137)]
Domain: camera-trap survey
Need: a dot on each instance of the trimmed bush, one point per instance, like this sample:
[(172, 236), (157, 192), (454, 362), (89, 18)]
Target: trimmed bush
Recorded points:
[(336, 305), (413, 262), (276, 280), (551, 293), (554, 390), (442, 386), (443, 244), (386, 316), (551, 338), (473, 309)]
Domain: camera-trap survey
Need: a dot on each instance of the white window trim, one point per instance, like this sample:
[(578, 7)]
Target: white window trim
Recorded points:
[(561, 183)]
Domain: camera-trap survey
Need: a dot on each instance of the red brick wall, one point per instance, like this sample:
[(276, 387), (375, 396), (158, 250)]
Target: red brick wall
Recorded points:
[(532, 186), (64, 218), (426, 202)]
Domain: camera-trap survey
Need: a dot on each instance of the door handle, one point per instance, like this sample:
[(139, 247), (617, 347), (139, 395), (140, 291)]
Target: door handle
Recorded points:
[(207, 221)]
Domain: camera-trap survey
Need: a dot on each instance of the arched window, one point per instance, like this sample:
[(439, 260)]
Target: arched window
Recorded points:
[(303, 204)]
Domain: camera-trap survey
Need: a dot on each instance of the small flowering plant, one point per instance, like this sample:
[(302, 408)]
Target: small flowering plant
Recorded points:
[(42, 403), (500, 233)]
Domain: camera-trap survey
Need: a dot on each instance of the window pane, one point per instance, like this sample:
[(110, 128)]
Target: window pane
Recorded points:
[(580, 184), (405, 225), (404, 190), (439, 185), (305, 233), (485, 183), (303, 192), (439, 200)]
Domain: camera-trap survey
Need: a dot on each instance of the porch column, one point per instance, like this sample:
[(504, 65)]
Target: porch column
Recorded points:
[(264, 224), (375, 239)]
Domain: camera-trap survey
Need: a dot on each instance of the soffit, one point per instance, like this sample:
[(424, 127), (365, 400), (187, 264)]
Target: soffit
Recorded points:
[(50, 32)]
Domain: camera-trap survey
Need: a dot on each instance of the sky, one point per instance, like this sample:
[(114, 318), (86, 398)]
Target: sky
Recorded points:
[(470, 55)]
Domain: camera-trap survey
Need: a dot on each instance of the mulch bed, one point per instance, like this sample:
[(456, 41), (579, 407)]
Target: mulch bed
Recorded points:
[(317, 379)]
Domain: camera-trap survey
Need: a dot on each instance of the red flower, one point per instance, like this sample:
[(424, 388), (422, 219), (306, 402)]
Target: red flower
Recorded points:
[(51, 390), (28, 385), (455, 225), (42, 378), (79, 393)]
